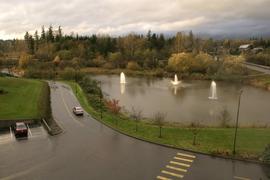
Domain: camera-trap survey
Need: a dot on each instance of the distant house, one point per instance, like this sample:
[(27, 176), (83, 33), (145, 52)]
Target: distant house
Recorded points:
[(257, 50), (245, 47)]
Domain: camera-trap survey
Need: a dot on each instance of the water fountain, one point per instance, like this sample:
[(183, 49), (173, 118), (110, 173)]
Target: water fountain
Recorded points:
[(122, 83), (213, 91), (175, 82), (122, 78)]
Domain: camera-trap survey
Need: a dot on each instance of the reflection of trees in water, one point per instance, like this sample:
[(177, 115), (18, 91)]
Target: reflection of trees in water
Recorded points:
[(178, 91), (134, 89), (150, 80)]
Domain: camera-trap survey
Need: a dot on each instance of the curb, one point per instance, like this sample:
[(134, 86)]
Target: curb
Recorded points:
[(178, 148)]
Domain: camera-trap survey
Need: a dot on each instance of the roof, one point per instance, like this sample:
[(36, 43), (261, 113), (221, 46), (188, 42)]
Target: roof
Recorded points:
[(245, 46)]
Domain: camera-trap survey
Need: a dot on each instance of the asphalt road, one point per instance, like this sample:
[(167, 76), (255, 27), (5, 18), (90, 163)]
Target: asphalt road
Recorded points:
[(89, 150), (259, 68)]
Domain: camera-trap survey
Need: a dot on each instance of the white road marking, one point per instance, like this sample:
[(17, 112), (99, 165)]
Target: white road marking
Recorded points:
[(241, 178), (29, 130), (78, 122), (11, 135)]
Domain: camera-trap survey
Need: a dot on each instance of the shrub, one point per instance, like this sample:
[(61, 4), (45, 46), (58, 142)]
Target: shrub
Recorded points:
[(68, 74), (65, 54), (108, 65), (261, 58), (132, 65), (93, 91), (266, 154), (2, 91), (113, 106)]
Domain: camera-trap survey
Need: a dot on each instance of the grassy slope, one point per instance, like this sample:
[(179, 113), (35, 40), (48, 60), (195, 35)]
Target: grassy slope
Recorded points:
[(250, 142), (22, 98)]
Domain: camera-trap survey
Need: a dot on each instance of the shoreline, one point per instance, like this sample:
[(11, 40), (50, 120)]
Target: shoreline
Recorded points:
[(181, 137)]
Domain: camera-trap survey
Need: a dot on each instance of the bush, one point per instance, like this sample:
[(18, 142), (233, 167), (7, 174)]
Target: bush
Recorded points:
[(132, 65), (68, 74), (113, 106), (65, 55), (108, 65), (266, 154), (2, 91), (190, 63), (93, 91), (261, 58)]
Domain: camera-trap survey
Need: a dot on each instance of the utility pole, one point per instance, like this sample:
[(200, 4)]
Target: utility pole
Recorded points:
[(236, 124)]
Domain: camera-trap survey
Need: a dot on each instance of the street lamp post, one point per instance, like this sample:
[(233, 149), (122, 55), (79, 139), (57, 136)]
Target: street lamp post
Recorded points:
[(236, 124)]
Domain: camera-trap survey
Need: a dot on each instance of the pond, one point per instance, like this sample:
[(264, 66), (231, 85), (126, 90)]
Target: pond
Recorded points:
[(189, 102)]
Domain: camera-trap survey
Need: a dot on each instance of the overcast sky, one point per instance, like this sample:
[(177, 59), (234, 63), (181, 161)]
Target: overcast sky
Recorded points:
[(116, 17)]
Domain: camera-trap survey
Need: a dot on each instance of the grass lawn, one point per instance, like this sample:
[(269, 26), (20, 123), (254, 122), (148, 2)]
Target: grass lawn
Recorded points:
[(250, 141), (22, 99)]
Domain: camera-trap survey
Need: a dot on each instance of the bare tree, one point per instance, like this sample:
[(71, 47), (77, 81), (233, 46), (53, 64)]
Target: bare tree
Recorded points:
[(136, 114), (159, 118), (195, 129)]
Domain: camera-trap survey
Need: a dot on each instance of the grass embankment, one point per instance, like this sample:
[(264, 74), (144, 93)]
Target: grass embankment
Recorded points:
[(21, 98), (261, 82), (250, 141)]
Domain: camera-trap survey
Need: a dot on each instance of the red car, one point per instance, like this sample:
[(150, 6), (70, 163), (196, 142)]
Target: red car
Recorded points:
[(20, 130)]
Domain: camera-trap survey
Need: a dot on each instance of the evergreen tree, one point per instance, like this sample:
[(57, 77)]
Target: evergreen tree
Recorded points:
[(31, 44), (36, 36), (59, 34), (43, 35), (50, 37)]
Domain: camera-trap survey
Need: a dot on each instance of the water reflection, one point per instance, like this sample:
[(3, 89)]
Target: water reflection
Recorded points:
[(188, 102), (122, 88)]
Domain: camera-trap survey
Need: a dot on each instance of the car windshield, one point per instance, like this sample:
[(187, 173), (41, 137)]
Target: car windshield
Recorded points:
[(21, 126), (78, 108)]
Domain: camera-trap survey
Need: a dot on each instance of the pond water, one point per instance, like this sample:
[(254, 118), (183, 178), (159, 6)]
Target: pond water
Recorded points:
[(188, 102)]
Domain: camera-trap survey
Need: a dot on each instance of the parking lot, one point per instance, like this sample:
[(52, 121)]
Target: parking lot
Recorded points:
[(35, 131)]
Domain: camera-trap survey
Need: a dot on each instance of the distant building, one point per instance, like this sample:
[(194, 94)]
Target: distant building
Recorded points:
[(245, 47), (257, 50)]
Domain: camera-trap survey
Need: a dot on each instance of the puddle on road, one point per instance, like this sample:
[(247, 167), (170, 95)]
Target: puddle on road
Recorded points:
[(34, 131)]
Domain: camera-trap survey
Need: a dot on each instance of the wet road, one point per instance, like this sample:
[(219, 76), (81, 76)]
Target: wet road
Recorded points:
[(90, 150), (259, 68)]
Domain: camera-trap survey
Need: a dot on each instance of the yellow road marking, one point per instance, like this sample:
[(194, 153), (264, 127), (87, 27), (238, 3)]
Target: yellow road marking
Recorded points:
[(186, 155), (78, 122), (175, 168), (180, 164), (242, 178), (183, 159), (172, 174), (163, 178)]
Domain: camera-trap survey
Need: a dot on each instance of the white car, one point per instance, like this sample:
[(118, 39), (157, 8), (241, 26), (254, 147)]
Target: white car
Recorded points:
[(77, 111)]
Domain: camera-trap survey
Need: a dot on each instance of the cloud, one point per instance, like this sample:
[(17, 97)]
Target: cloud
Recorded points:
[(118, 17)]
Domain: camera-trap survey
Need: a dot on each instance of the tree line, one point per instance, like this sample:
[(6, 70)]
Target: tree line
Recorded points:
[(134, 51)]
